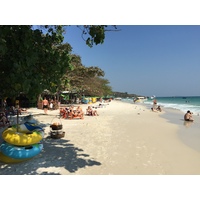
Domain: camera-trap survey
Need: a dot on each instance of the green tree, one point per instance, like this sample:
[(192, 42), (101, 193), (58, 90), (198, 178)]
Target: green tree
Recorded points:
[(98, 86), (95, 34), (30, 60), (79, 77), (34, 58)]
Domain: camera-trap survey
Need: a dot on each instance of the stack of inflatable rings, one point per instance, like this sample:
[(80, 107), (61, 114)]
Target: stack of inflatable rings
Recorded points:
[(22, 145)]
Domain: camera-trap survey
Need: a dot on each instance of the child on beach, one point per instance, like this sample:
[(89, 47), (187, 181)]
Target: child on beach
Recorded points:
[(159, 109)]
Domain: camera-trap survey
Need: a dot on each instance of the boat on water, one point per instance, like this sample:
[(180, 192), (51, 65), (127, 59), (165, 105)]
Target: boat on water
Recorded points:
[(153, 97), (118, 98), (139, 99)]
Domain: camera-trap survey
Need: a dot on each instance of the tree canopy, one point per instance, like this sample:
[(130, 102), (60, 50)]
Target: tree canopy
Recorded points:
[(85, 80), (34, 58)]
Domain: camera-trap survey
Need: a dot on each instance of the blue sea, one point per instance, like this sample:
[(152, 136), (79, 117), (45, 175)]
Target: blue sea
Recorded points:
[(183, 104)]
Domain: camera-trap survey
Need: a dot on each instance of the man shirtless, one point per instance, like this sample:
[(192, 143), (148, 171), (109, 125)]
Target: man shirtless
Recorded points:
[(188, 116)]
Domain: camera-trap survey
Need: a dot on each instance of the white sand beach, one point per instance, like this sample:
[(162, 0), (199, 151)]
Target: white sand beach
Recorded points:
[(125, 139)]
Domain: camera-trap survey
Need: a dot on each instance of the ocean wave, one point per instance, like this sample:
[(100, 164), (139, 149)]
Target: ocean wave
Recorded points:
[(192, 104), (182, 107)]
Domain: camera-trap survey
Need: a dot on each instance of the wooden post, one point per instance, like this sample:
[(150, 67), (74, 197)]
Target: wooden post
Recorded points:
[(17, 119)]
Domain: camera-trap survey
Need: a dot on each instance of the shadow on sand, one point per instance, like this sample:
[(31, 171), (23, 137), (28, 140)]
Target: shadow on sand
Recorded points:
[(57, 153)]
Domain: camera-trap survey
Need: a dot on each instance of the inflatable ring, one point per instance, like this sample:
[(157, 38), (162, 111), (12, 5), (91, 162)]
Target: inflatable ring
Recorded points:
[(17, 152), (11, 136), (9, 160)]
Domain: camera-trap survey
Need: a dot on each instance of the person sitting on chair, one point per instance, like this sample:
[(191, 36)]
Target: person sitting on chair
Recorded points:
[(63, 113), (70, 112), (78, 112), (91, 112)]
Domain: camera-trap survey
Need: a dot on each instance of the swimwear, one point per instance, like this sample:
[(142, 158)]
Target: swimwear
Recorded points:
[(189, 120)]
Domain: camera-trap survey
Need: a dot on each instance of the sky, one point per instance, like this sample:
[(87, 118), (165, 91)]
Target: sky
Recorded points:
[(156, 51), (161, 60)]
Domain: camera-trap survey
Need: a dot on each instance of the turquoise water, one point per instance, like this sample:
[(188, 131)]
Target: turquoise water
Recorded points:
[(183, 104)]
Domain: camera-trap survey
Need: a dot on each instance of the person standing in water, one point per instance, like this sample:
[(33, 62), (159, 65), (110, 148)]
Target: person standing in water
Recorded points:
[(154, 104), (45, 105)]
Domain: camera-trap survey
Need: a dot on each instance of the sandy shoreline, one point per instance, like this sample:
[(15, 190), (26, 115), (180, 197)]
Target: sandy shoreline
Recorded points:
[(125, 139)]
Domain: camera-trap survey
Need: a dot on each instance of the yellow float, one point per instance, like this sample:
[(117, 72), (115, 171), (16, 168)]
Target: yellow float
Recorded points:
[(11, 136)]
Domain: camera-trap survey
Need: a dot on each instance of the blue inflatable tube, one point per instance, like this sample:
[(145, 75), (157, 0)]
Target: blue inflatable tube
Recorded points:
[(20, 152)]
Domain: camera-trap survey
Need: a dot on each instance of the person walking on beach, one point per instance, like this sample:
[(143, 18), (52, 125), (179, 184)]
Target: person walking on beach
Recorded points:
[(188, 116), (45, 105)]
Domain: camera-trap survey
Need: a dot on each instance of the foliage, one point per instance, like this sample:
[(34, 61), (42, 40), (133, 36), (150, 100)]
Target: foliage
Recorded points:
[(30, 60), (124, 95), (97, 86), (95, 34), (34, 58), (85, 80)]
